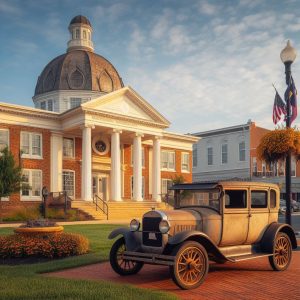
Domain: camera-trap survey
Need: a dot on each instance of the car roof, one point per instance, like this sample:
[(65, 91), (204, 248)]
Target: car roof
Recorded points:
[(223, 184)]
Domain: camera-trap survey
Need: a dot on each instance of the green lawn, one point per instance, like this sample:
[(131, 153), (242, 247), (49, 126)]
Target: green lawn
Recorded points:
[(24, 282)]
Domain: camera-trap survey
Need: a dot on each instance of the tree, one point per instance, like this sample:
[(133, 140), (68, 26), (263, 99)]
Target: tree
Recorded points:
[(10, 175)]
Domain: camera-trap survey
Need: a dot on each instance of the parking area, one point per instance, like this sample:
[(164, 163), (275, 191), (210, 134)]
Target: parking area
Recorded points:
[(253, 279)]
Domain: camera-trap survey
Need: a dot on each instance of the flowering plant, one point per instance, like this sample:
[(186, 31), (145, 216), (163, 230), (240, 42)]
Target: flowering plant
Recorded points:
[(276, 144)]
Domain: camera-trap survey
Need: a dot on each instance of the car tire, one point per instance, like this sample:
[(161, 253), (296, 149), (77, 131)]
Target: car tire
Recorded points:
[(282, 252), (190, 265), (121, 266)]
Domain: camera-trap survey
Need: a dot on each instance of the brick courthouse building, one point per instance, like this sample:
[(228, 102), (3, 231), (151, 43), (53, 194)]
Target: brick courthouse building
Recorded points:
[(89, 134)]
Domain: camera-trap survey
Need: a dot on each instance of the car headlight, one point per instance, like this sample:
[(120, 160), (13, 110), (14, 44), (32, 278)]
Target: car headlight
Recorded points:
[(164, 226), (134, 225)]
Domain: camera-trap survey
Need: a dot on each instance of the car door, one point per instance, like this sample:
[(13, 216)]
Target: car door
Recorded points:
[(258, 214), (235, 217)]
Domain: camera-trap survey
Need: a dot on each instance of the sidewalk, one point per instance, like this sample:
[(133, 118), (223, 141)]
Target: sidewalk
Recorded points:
[(253, 279)]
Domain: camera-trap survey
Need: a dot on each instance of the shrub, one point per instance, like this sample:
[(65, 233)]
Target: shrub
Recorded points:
[(51, 246), (23, 214)]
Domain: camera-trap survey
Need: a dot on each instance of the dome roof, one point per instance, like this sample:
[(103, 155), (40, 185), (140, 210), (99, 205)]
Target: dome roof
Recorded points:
[(80, 19), (79, 70)]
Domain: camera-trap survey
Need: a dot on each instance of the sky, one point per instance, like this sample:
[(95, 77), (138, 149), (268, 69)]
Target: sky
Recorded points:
[(202, 64)]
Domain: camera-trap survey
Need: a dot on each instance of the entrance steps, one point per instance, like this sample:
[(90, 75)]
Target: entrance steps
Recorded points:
[(120, 210)]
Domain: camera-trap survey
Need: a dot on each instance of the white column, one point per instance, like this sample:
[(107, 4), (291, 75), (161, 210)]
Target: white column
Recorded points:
[(156, 174), (137, 167), (56, 144), (86, 168), (115, 186)]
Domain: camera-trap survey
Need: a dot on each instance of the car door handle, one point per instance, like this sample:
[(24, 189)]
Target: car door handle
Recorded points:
[(249, 215)]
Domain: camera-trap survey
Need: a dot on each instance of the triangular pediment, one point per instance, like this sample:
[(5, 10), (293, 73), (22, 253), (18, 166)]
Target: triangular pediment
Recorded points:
[(126, 102)]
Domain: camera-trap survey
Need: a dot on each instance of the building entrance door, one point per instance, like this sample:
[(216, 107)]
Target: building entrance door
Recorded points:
[(100, 185)]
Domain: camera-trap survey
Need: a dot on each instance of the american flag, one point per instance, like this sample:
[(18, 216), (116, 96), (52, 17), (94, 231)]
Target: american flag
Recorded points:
[(279, 108)]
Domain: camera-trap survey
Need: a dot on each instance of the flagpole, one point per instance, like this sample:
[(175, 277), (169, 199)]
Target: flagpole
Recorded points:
[(288, 55)]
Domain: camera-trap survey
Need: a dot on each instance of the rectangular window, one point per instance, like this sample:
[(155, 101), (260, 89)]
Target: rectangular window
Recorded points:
[(272, 199), (168, 160), (195, 154), (185, 162), (50, 105), (165, 185), (143, 187), (235, 199), (259, 199), (242, 151), (33, 180), (84, 34), (4, 135), (254, 167), (31, 145), (77, 34), (69, 182), (43, 105), (68, 147), (75, 102), (224, 150), (210, 156)]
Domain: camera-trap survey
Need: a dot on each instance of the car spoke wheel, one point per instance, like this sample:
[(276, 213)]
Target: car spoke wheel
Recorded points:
[(282, 252), (118, 263), (190, 266)]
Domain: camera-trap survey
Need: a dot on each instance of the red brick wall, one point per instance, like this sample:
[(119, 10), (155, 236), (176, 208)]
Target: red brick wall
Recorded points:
[(40, 164)]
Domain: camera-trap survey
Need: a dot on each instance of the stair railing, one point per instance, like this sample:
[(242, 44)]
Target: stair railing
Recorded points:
[(101, 204)]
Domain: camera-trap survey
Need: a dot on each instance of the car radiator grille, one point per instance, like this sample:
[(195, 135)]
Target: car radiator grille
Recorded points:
[(151, 234)]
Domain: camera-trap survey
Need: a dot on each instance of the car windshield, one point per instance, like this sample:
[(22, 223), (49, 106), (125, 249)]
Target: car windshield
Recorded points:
[(209, 198)]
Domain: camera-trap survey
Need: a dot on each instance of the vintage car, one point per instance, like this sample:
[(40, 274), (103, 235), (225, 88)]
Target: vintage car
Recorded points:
[(217, 221)]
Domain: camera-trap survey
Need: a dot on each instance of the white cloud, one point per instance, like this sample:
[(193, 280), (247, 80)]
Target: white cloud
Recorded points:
[(207, 8), (8, 8)]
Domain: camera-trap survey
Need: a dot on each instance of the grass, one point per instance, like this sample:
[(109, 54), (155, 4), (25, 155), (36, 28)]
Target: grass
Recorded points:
[(25, 282)]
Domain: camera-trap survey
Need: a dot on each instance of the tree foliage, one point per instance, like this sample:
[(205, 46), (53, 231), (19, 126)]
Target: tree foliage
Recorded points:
[(10, 174)]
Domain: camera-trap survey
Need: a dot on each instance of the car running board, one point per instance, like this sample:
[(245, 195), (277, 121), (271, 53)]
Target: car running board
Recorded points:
[(247, 257)]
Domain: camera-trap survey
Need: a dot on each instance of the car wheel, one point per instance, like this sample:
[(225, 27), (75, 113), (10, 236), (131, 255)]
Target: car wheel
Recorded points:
[(282, 252), (190, 265), (122, 266)]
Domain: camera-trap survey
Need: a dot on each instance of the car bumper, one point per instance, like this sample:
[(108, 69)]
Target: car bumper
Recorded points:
[(149, 258)]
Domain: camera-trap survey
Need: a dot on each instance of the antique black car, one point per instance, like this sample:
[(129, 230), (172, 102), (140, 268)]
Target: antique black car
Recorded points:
[(217, 221)]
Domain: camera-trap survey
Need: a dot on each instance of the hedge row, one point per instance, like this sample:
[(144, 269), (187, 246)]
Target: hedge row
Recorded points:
[(52, 245)]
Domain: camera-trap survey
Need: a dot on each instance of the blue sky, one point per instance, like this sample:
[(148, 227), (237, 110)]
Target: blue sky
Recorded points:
[(202, 64)]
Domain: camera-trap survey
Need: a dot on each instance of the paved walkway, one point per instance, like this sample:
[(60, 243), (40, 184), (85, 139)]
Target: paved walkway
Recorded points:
[(252, 279)]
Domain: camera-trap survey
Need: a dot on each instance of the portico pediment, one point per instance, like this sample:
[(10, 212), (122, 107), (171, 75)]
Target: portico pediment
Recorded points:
[(127, 103)]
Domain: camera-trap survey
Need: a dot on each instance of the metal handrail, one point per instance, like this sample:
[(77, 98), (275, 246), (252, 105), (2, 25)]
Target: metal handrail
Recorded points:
[(103, 207)]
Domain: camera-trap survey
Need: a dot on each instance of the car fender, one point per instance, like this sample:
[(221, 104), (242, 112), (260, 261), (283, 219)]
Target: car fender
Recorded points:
[(133, 239), (201, 238), (267, 241)]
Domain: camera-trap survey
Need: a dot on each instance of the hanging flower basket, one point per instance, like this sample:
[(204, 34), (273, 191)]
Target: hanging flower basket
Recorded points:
[(276, 144)]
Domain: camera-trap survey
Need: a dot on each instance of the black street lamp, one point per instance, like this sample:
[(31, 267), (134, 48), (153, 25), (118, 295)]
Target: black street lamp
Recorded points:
[(288, 55), (45, 194)]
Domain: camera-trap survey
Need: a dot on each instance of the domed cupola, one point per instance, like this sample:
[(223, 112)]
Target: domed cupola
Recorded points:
[(77, 76), (81, 34)]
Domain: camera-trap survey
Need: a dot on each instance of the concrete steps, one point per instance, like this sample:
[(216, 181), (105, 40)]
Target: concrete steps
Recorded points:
[(118, 210)]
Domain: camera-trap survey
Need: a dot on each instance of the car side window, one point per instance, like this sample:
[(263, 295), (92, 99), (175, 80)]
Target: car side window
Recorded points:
[(235, 199), (259, 199), (272, 199)]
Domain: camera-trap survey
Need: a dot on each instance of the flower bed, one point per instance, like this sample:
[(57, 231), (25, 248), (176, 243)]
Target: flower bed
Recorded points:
[(51, 246)]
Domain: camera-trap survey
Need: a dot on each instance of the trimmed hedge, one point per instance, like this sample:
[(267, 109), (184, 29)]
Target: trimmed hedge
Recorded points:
[(51, 246)]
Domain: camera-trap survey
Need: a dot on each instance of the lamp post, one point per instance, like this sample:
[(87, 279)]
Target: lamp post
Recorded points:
[(45, 194), (288, 55)]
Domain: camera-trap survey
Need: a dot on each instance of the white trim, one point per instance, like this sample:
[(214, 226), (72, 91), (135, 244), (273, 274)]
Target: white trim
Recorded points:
[(168, 169), (30, 155), (30, 197), (74, 147), (8, 136), (189, 167), (74, 181)]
